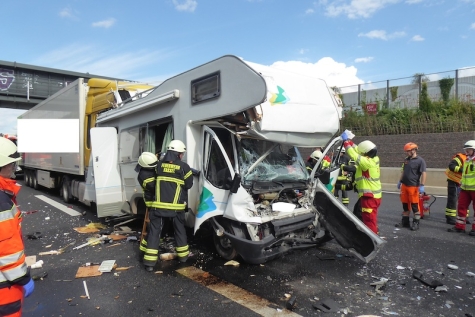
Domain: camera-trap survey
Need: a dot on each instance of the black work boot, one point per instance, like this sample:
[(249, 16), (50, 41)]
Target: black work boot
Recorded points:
[(405, 222), (415, 225), (450, 220), (455, 229)]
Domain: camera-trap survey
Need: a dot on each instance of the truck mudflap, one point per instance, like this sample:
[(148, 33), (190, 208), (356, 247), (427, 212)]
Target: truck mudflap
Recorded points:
[(348, 231)]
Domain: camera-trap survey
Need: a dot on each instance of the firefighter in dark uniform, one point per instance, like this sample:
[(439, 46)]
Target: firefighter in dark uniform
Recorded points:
[(454, 176), (343, 182), (174, 178), (147, 179)]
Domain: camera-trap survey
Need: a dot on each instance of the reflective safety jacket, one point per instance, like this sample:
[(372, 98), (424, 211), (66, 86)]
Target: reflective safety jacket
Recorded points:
[(174, 178), (13, 269), (468, 174), (454, 170), (367, 175), (146, 178)]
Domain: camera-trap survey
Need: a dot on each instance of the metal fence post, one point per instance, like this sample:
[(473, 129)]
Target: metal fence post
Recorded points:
[(359, 94), (457, 84), (387, 94)]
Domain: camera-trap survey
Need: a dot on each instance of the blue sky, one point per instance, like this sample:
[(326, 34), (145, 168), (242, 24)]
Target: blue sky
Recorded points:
[(345, 42)]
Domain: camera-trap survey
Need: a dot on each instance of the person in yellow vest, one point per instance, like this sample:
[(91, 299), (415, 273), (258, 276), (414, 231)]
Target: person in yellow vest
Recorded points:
[(454, 176), (467, 192), (367, 179), (313, 159)]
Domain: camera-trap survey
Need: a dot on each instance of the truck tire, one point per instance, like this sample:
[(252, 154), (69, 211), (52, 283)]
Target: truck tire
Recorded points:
[(27, 178), (66, 189), (34, 180), (223, 245)]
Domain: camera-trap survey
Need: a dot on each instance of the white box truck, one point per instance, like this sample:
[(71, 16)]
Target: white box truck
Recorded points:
[(242, 124)]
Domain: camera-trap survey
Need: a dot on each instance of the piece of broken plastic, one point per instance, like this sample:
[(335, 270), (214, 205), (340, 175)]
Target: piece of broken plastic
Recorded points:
[(327, 306), (34, 236)]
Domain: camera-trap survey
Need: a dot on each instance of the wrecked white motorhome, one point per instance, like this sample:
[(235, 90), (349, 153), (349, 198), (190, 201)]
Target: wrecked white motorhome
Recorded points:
[(242, 124)]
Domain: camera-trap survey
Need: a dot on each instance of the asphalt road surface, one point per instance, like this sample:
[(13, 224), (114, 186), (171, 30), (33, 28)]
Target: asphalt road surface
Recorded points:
[(327, 277)]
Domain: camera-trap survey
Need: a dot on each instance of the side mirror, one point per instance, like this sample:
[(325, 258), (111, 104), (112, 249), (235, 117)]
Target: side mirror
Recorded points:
[(236, 182)]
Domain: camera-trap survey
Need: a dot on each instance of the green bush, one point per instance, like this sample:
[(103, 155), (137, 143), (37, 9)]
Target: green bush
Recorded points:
[(436, 117)]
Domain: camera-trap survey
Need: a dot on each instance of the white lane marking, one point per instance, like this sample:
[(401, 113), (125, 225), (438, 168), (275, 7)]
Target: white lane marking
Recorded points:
[(238, 295), (61, 207)]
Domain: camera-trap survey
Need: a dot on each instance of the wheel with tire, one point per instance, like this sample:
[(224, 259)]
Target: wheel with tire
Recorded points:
[(223, 244), (27, 178), (34, 180), (66, 189)]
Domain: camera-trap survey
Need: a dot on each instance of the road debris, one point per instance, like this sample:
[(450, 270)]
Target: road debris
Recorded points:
[(85, 288), (452, 267), (327, 306), (88, 271), (34, 236), (37, 264), (433, 284), (232, 262), (168, 256), (470, 274), (291, 303), (91, 228), (91, 242), (107, 266), (39, 277)]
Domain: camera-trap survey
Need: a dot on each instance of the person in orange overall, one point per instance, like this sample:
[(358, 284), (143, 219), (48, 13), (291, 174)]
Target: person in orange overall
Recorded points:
[(15, 279)]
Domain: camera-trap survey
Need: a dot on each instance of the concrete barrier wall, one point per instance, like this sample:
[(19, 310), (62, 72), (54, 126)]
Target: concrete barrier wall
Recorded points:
[(436, 181)]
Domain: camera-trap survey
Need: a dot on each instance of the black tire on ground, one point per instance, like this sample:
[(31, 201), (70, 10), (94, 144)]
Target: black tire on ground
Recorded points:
[(27, 178), (66, 189), (223, 245), (34, 180)]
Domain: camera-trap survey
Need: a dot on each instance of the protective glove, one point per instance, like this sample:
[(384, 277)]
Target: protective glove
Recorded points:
[(399, 185), (344, 136), (29, 287), (421, 189), (195, 172)]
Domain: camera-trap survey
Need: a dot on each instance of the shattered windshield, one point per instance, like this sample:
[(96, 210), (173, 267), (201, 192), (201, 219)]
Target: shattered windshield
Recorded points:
[(269, 161)]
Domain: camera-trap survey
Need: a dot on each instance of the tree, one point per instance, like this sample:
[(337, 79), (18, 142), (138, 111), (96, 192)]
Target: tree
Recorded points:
[(425, 104), (415, 78)]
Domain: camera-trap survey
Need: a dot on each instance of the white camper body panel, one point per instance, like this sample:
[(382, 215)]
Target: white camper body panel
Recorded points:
[(68, 103)]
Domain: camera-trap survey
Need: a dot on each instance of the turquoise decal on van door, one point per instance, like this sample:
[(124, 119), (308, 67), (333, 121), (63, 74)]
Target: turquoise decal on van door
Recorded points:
[(280, 97), (206, 203)]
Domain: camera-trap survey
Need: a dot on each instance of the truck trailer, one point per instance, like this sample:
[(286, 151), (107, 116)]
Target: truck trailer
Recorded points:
[(242, 124)]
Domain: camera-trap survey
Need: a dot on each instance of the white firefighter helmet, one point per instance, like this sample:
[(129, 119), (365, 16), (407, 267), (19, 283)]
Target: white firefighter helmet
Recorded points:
[(8, 152), (366, 146), (316, 155), (177, 146), (147, 159), (469, 145)]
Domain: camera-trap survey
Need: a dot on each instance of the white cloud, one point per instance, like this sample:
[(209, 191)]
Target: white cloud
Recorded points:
[(364, 59), (309, 11), (334, 73), (417, 38), (187, 5), (101, 60), (104, 23), (472, 26), (354, 9), (413, 1), (303, 51), (67, 13), (381, 34)]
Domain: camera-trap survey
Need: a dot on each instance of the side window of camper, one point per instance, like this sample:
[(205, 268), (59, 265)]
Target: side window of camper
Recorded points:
[(129, 145), (217, 170)]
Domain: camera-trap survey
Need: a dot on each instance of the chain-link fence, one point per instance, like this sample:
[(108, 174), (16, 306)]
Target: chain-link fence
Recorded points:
[(403, 93)]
